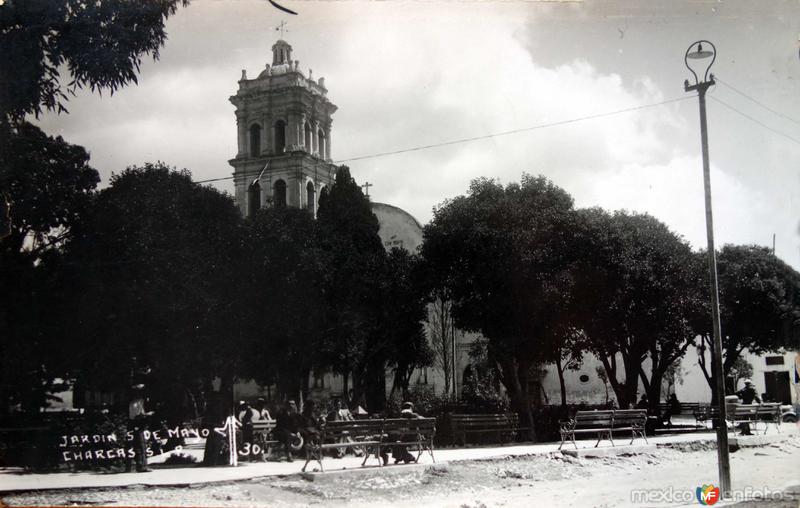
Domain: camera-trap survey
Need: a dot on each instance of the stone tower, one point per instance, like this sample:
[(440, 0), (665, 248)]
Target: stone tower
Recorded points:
[(283, 120)]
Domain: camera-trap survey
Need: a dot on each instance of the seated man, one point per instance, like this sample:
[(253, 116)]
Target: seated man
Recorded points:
[(287, 427), (747, 395), (400, 452)]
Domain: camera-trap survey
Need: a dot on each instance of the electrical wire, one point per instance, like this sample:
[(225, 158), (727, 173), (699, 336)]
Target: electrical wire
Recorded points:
[(782, 115), (790, 138), (494, 135)]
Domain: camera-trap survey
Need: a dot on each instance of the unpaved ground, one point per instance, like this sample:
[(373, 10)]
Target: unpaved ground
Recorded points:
[(543, 480)]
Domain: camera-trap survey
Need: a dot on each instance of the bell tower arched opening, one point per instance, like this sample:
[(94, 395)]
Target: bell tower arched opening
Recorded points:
[(255, 140)]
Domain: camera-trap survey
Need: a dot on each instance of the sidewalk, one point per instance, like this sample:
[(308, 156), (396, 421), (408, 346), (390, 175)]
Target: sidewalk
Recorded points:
[(15, 479)]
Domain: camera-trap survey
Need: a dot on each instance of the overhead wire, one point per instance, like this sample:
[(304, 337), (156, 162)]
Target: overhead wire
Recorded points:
[(752, 119), (493, 135), (755, 101)]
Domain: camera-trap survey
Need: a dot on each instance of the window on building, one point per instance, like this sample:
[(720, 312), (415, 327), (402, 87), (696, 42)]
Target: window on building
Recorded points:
[(321, 143), (308, 140), (280, 136), (253, 199), (279, 194), (310, 192), (774, 360), (255, 140)]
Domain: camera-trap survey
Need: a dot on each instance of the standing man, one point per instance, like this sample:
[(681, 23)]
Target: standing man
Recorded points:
[(748, 394), (137, 422)]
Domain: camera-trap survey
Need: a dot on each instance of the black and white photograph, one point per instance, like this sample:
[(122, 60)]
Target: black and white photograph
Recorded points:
[(432, 253)]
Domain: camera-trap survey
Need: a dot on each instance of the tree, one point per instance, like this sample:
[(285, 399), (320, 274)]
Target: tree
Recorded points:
[(354, 264), (153, 277), (504, 254), (759, 307), (403, 313), (741, 369), (443, 334), (99, 43), (281, 298), (46, 184), (638, 299), (569, 356)]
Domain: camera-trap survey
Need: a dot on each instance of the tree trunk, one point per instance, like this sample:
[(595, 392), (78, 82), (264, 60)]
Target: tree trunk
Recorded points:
[(561, 383), (515, 379)]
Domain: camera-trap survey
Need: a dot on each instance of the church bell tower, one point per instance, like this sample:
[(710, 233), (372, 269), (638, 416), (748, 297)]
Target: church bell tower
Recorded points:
[(283, 120)]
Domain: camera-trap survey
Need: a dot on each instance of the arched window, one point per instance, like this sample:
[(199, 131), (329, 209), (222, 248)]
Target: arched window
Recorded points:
[(253, 199), (321, 143), (280, 136), (310, 192), (279, 195), (308, 139), (255, 140)]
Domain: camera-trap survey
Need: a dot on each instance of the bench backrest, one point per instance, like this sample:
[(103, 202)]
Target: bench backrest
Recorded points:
[(630, 417), (425, 427), (265, 426), (354, 429), (485, 421), (594, 419)]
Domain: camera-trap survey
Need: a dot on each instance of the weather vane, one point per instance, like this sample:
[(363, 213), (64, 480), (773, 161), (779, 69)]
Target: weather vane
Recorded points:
[(282, 28)]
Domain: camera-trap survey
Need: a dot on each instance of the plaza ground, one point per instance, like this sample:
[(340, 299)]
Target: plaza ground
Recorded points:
[(463, 477)]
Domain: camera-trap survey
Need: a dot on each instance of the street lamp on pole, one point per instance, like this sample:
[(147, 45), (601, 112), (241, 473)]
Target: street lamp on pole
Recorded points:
[(703, 58)]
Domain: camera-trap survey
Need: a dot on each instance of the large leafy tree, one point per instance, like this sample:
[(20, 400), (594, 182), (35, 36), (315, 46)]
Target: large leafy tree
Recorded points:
[(51, 48), (354, 263), (504, 254), (639, 298), (281, 298), (759, 306), (153, 278), (404, 310), (45, 185)]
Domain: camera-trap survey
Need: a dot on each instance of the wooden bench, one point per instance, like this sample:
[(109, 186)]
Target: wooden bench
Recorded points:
[(503, 424), (346, 434), (262, 438), (754, 413), (686, 409), (409, 432), (604, 423)]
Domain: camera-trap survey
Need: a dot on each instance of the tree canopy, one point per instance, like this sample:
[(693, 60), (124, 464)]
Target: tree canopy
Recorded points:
[(100, 44)]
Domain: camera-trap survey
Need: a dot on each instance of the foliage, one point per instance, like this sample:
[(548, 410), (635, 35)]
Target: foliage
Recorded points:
[(152, 277), (180, 459), (741, 369), (354, 263), (503, 254), (100, 44), (282, 301), (47, 184), (404, 310), (639, 298), (759, 306), (443, 335)]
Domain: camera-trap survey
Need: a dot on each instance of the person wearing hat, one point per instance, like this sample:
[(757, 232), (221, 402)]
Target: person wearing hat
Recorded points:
[(287, 427), (261, 409), (400, 452), (747, 394), (137, 423)]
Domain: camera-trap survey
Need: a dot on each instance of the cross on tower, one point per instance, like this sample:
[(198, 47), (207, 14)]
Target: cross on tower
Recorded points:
[(282, 28), (366, 186)]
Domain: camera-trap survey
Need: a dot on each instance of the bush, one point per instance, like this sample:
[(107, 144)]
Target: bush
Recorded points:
[(180, 459)]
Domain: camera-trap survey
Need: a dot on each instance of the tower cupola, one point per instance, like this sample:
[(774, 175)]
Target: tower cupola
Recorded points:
[(281, 53)]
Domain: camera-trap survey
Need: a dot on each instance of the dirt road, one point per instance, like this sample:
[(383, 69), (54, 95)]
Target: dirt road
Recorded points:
[(671, 475)]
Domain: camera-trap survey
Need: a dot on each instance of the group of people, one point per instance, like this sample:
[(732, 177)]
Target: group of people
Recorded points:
[(293, 429)]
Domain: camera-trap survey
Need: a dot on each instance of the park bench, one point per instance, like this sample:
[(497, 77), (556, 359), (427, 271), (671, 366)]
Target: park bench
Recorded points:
[(604, 423), (372, 436), (335, 435), (262, 437), (754, 413), (412, 433), (505, 425), (686, 409)]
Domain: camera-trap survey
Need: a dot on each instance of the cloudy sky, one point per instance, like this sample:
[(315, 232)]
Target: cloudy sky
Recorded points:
[(410, 74)]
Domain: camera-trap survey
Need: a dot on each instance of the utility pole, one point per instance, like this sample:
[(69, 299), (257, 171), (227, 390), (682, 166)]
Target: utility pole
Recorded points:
[(701, 86)]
